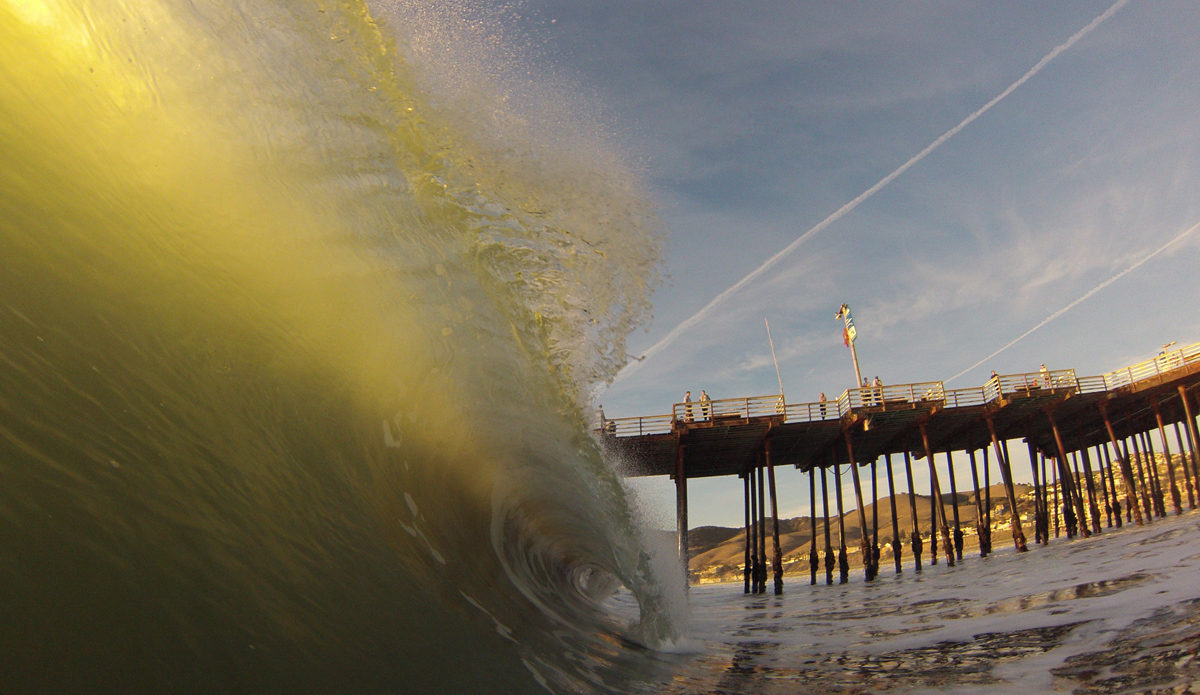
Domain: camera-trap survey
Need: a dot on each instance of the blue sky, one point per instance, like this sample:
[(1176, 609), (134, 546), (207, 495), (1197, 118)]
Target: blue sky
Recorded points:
[(755, 121)]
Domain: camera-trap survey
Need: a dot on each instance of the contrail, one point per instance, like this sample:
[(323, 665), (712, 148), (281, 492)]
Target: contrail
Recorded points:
[(1075, 303), (633, 367)]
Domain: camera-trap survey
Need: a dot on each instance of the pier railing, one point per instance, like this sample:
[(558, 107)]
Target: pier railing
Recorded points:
[(1162, 364), (1032, 382), (636, 426), (729, 408), (1091, 384), (813, 412), (962, 398), (898, 396)]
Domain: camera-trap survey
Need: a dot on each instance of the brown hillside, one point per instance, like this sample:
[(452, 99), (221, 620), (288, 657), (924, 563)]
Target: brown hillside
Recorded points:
[(795, 534)]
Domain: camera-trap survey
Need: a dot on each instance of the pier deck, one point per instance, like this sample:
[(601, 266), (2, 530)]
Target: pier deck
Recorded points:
[(723, 437)]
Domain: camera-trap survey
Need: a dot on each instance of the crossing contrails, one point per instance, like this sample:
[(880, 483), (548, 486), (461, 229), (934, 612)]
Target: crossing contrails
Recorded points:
[(700, 315)]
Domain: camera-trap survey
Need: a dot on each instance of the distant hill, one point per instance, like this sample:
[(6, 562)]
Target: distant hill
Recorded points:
[(717, 553)]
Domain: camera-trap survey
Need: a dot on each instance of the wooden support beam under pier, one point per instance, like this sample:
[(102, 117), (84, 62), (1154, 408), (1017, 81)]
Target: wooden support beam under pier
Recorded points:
[(915, 535), (1183, 460), (864, 544), (1075, 521), (777, 554), (828, 543), (1038, 538), (681, 512), (1090, 486), (1176, 501), (747, 568), (896, 548), (958, 534), (814, 561), (979, 518)]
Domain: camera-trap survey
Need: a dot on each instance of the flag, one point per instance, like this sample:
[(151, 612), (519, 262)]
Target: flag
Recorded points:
[(846, 336)]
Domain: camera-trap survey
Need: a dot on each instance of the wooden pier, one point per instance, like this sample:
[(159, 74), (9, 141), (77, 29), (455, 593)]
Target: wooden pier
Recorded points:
[(1100, 422)]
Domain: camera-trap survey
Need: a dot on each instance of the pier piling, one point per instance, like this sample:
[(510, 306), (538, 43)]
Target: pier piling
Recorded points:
[(1104, 486), (762, 533), (1193, 438), (1009, 492), (843, 556), (979, 518), (1112, 484), (1093, 506), (987, 499), (828, 542), (958, 534), (1156, 494), (752, 537), (864, 542), (1045, 502), (1183, 460), (777, 553), (1132, 451), (874, 519), (1131, 506), (747, 568), (895, 521), (1176, 501), (1057, 514), (1038, 538), (681, 509), (1077, 480), (915, 536), (1075, 521), (938, 505), (814, 562)]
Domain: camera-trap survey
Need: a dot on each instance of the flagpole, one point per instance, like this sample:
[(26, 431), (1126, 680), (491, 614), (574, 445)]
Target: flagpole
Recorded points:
[(850, 334), (772, 341), (858, 378)]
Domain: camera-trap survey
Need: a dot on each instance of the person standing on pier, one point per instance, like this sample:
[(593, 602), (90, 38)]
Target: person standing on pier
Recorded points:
[(705, 408), (822, 405), (877, 394), (1045, 375), (687, 409)]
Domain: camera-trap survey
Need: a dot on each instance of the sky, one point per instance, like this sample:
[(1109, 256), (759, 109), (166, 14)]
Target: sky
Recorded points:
[(756, 122)]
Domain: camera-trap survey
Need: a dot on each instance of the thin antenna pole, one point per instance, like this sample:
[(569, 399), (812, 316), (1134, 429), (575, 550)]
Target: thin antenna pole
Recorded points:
[(772, 341)]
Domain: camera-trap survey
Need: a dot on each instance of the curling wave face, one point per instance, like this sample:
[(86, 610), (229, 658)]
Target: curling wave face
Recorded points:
[(291, 364)]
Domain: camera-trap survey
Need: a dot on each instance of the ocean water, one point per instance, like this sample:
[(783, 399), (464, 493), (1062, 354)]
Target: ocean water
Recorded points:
[(1114, 613), (294, 342)]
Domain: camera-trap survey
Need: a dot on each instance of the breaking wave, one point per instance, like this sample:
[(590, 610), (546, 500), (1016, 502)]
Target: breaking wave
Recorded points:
[(292, 355)]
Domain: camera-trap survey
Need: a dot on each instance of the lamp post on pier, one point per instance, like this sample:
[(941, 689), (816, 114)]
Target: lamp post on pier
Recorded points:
[(848, 336)]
